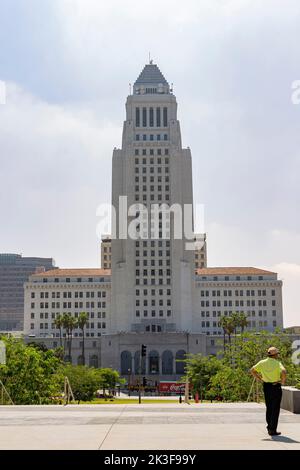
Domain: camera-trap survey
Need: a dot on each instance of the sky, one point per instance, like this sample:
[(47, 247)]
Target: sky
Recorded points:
[(67, 65)]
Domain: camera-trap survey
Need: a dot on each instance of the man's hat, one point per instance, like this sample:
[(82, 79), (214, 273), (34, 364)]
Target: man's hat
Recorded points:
[(273, 351)]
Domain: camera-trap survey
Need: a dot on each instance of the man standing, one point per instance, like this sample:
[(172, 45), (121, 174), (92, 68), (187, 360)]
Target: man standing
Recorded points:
[(271, 372)]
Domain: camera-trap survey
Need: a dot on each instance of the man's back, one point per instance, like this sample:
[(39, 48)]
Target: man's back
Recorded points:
[(270, 369)]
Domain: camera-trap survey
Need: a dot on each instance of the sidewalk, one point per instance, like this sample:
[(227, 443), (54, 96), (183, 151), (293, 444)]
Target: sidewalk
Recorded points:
[(148, 426)]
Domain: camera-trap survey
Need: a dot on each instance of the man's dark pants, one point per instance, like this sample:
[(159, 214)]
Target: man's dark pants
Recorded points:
[(273, 394)]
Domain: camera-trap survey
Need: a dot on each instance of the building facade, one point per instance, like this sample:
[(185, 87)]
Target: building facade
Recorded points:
[(14, 271), (106, 252), (159, 291), (200, 251), (69, 291), (152, 274), (255, 292)]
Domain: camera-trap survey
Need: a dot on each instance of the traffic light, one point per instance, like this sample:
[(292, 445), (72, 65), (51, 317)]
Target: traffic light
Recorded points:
[(144, 349), (144, 382)]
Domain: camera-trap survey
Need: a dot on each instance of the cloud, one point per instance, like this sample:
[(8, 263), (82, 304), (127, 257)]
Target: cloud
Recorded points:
[(55, 170)]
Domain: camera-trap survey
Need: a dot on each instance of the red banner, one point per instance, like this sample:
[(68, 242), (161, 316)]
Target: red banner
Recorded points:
[(171, 387)]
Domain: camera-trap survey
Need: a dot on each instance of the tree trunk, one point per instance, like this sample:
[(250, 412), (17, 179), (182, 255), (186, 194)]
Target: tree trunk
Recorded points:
[(60, 337), (70, 346), (83, 351)]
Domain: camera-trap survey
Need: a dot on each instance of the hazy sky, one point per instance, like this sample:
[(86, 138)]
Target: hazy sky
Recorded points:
[(67, 65)]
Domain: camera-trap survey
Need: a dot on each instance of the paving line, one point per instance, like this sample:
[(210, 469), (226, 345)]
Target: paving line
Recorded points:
[(111, 426)]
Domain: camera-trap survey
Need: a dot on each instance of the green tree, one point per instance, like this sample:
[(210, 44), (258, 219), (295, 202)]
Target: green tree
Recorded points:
[(84, 381), (200, 369), (229, 384), (108, 379), (29, 373)]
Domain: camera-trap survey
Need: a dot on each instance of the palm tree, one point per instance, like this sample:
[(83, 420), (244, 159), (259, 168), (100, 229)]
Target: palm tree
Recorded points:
[(72, 324), (235, 317), (58, 322), (65, 325), (81, 323), (223, 324), (243, 321), (69, 323), (230, 328)]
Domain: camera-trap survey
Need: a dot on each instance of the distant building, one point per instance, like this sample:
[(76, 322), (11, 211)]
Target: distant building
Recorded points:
[(106, 252), (72, 291), (255, 292), (14, 271), (200, 251)]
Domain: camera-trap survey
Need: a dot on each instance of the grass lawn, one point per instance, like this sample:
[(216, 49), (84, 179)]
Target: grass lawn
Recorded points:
[(125, 401)]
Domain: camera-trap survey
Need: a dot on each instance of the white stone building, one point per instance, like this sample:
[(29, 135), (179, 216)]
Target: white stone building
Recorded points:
[(155, 294), (70, 291)]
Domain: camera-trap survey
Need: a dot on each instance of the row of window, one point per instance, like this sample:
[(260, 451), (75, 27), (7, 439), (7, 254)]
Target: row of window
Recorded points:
[(252, 323), (69, 304), (151, 169), (158, 188), (231, 278), (154, 262), (153, 313), (237, 303), (46, 326), (151, 117), (153, 272), (68, 295), (152, 161), (153, 282), (152, 253), (237, 293), (153, 303), (261, 313), (152, 243), (146, 292), (67, 280), (46, 315), (151, 137), (153, 179)]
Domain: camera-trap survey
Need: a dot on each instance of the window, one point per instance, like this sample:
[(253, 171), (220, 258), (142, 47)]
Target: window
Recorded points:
[(158, 120), (151, 119), (144, 117), (165, 117), (137, 117)]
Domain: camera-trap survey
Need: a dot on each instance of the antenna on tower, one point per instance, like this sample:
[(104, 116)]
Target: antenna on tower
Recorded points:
[(150, 60), (130, 88)]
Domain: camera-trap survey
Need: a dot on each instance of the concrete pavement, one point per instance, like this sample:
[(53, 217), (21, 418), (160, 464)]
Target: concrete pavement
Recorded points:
[(146, 426)]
